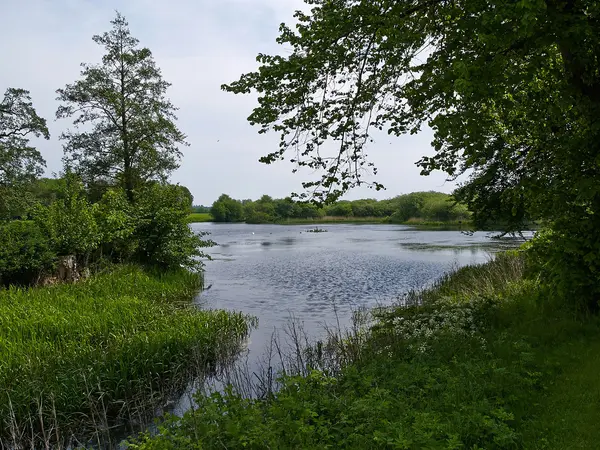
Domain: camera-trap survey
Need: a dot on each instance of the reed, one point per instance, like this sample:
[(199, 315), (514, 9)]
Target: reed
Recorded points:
[(77, 360)]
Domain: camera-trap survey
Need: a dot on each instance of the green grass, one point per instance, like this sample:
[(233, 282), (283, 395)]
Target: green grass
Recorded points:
[(486, 359), (77, 358), (199, 217), (568, 411)]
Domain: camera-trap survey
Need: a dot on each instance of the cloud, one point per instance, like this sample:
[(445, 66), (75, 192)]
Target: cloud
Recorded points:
[(199, 45)]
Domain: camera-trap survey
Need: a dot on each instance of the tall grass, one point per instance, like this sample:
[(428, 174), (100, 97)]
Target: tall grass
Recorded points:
[(77, 360)]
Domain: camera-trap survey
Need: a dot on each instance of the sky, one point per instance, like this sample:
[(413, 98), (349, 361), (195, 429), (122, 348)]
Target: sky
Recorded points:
[(199, 45)]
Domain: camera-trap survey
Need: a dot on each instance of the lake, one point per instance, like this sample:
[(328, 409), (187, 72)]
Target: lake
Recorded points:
[(276, 272)]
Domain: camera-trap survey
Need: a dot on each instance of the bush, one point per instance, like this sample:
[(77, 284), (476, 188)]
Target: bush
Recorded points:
[(114, 216), (568, 264), (443, 209), (70, 221), (163, 237), (25, 253)]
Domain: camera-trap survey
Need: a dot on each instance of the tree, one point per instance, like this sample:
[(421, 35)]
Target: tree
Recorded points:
[(162, 234), (187, 195), (126, 125), (511, 90), (46, 190), (19, 162), (226, 209)]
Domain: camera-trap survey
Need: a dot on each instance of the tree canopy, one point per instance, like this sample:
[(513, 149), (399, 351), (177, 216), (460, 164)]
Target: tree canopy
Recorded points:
[(19, 162), (511, 90), (504, 85), (113, 202), (126, 125)]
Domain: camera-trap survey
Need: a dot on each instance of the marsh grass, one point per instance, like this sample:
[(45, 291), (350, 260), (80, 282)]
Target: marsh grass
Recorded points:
[(80, 360)]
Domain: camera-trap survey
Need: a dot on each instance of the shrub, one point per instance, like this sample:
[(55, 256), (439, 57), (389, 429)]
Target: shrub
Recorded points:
[(70, 221), (163, 236), (443, 209), (114, 216), (568, 264), (25, 253)]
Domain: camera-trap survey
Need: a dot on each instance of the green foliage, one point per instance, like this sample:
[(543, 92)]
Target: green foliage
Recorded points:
[(163, 236), (19, 162), (510, 89), (46, 190), (153, 231), (226, 209), (571, 268), (70, 222), (103, 350), (18, 119), (340, 209), (188, 195), (430, 206), (130, 134), (117, 224), (199, 209), (25, 252), (462, 367)]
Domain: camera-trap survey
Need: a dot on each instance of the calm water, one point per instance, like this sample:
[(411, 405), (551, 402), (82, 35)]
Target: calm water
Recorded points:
[(275, 272)]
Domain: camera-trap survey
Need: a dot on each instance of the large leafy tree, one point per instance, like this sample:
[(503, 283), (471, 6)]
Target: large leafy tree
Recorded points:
[(20, 163), (125, 125), (226, 209), (510, 88)]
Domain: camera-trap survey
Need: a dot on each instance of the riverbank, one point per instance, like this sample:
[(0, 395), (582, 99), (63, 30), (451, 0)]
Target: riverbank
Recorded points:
[(199, 218), (419, 223), (485, 359), (78, 360), (332, 219)]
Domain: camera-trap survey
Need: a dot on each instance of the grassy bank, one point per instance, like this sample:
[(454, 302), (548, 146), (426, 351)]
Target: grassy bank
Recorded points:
[(484, 359), (77, 359), (331, 219), (206, 217), (422, 223), (199, 218), (374, 220)]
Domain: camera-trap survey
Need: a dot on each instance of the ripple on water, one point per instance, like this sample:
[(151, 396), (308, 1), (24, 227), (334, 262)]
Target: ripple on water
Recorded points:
[(272, 271)]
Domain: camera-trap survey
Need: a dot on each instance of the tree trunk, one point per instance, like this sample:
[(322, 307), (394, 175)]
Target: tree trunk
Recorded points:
[(127, 172)]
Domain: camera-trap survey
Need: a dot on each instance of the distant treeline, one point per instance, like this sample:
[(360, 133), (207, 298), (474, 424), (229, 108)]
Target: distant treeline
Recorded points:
[(420, 206), (200, 209)]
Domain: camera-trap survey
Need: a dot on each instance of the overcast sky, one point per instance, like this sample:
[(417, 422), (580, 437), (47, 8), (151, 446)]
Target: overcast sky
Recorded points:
[(198, 44)]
